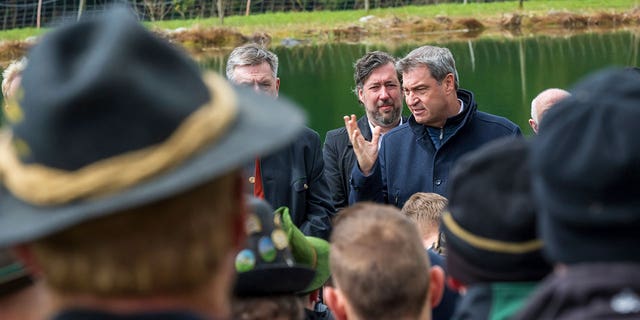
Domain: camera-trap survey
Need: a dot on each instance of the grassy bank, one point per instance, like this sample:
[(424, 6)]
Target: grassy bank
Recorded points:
[(431, 21)]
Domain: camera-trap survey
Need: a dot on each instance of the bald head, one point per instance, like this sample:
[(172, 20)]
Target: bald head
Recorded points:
[(541, 103)]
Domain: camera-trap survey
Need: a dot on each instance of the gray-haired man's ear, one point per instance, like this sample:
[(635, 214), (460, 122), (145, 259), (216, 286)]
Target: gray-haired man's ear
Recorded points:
[(533, 125)]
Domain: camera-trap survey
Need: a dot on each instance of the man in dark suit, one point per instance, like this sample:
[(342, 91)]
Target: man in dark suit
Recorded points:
[(293, 176), (378, 90)]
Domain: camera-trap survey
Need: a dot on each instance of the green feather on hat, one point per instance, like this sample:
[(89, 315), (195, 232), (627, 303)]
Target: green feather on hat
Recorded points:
[(306, 250)]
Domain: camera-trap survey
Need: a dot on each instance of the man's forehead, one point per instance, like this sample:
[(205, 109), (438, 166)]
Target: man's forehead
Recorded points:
[(379, 75), (254, 72)]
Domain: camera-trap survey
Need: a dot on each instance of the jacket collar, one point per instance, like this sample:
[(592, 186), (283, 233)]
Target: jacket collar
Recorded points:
[(458, 121)]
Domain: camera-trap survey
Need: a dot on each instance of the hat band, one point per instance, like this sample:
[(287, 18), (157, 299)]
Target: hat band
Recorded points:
[(490, 244), (41, 185)]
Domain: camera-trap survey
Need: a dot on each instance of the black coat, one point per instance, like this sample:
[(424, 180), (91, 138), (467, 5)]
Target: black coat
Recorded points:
[(339, 160), (587, 291), (294, 177)]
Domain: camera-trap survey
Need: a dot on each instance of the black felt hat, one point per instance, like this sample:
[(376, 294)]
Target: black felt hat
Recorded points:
[(266, 265), (110, 117), (586, 171), (490, 225)]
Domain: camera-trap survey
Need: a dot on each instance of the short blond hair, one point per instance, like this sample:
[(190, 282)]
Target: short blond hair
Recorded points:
[(425, 209), (377, 260), (11, 73), (172, 246)]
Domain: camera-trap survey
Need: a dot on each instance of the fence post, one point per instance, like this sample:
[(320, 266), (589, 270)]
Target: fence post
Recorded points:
[(246, 13), (80, 9), (38, 13), (221, 11)]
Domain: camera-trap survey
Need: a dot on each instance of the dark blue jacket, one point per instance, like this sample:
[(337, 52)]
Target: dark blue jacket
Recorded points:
[(294, 177), (408, 162)]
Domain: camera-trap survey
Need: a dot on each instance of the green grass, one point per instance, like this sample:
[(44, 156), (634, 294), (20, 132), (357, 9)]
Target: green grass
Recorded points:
[(20, 34), (287, 24)]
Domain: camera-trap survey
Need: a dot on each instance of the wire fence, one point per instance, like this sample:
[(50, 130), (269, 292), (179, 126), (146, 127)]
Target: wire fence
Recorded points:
[(35, 13)]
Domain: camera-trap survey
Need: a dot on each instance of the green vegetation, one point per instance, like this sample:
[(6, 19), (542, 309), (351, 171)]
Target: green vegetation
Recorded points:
[(20, 34), (320, 24), (293, 21)]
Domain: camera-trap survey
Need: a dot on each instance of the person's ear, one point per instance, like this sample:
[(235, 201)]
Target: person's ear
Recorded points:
[(336, 302), (361, 95), (533, 125), (24, 254), (277, 86), (456, 285), (450, 83), (436, 285)]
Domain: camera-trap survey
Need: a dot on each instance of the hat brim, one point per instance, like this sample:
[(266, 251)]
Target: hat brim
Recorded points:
[(322, 267), (262, 124), (273, 280)]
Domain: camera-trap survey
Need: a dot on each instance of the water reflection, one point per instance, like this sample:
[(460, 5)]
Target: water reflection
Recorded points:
[(505, 74)]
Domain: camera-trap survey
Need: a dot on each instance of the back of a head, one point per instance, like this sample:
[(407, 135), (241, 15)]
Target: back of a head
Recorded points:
[(586, 173), (491, 224), (425, 208), (378, 261), (128, 148)]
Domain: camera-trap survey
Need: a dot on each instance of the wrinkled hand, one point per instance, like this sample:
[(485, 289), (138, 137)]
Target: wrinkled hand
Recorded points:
[(366, 152)]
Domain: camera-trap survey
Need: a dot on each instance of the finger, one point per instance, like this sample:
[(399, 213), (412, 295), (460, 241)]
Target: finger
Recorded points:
[(375, 137), (350, 124)]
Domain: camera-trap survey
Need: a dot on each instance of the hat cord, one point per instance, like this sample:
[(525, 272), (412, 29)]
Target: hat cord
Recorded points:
[(41, 185)]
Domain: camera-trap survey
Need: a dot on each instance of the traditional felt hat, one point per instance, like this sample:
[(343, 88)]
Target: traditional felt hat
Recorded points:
[(309, 251), (110, 117), (586, 171), (490, 225), (265, 265)]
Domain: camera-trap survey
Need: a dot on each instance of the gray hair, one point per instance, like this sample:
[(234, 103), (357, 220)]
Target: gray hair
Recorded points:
[(369, 62), (439, 61), (546, 98), (10, 73), (250, 55)]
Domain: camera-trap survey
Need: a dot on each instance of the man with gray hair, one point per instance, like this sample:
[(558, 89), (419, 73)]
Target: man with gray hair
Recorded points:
[(378, 89), (444, 125), (542, 102), (293, 176)]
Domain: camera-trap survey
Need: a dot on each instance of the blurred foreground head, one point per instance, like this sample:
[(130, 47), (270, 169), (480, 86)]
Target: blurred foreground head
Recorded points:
[(380, 268), (507, 249), (586, 172), (119, 170)]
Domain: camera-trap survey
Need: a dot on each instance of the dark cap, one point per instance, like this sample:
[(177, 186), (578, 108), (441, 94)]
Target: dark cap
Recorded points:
[(586, 171), (490, 226), (265, 265)]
